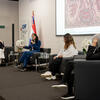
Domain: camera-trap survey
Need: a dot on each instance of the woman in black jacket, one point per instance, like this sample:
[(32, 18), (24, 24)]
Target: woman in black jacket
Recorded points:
[(93, 52)]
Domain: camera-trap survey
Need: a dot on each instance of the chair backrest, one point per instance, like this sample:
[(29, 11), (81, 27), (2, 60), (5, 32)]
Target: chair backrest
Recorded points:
[(45, 53), (80, 53), (46, 50), (7, 52)]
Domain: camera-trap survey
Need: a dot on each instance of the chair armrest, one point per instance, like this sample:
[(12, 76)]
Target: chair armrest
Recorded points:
[(80, 57), (68, 58), (36, 55), (52, 55), (46, 50)]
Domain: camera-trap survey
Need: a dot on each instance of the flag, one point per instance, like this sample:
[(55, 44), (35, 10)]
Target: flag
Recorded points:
[(33, 24)]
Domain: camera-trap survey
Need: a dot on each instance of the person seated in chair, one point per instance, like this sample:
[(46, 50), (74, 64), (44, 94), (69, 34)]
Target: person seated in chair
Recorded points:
[(34, 46), (93, 52), (68, 51), (1, 51), (67, 82)]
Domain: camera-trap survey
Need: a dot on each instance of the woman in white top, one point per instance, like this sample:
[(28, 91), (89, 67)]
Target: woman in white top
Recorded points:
[(68, 51)]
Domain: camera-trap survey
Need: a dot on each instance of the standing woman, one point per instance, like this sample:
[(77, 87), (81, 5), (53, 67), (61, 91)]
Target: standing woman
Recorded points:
[(68, 51), (34, 46)]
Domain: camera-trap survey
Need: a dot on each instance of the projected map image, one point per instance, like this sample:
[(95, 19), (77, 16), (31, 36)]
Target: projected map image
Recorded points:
[(82, 13)]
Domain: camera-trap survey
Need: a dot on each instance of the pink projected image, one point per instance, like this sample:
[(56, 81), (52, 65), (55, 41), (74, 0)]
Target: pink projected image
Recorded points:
[(82, 13)]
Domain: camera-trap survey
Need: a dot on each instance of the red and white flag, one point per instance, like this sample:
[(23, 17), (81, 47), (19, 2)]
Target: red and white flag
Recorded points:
[(33, 23)]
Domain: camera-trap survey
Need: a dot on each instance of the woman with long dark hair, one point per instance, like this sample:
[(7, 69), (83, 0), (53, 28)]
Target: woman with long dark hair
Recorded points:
[(68, 51), (34, 46)]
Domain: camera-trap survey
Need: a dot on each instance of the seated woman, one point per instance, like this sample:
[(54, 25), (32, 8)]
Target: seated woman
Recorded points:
[(67, 81), (68, 51), (1, 51), (93, 52), (34, 46)]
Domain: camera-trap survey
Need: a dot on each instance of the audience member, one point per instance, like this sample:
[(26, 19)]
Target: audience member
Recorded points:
[(67, 81), (68, 51), (1, 51), (93, 52)]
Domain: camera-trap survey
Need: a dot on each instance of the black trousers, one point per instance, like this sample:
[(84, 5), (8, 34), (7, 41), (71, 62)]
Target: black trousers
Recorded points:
[(54, 65), (69, 76)]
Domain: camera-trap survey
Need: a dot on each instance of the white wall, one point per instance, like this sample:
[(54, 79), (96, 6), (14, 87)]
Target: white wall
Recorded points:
[(8, 16), (45, 22)]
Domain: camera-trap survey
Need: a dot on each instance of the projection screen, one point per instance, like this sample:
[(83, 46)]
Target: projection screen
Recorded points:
[(78, 17)]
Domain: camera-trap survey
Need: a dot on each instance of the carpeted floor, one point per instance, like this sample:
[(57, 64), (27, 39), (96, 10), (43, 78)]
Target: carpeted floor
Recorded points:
[(15, 85)]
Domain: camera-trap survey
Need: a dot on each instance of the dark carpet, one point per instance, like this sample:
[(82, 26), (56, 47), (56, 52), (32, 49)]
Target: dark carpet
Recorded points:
[(15, 85)]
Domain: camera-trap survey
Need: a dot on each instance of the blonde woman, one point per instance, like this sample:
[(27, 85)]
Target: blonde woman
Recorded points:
[(93, 52)]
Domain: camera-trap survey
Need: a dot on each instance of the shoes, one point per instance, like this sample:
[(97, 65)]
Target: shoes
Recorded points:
[(67, 97), (51, 78), (23, 70), (58, 86), (62, 74), (18, 63), (46, 74), (18, 66)]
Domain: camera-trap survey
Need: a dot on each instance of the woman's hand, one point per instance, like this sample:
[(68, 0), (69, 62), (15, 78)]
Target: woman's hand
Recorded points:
[(54, 57), (32, 42), (60, 56)]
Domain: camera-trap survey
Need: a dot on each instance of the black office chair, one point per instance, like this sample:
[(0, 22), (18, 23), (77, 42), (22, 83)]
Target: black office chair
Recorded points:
[(40, 59), (8, 58)]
